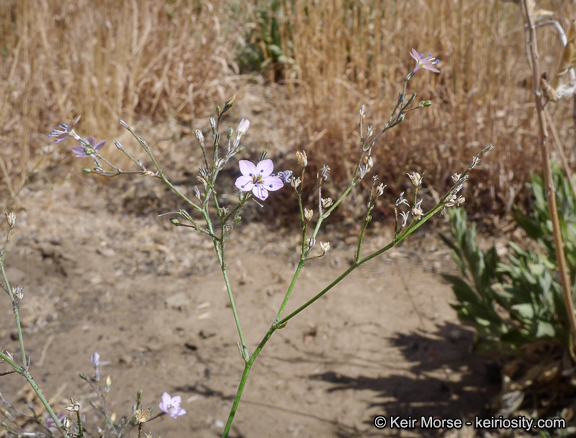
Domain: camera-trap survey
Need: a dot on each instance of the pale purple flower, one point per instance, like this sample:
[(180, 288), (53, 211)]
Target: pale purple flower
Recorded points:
[(65, 131), (95, 358), (171, 405), (258, 179), (50, 423), (80, 151), (426, 63), (285, 176), (243, 126)]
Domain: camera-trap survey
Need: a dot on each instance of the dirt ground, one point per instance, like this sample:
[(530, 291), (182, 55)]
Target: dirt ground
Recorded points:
[(101, 272)]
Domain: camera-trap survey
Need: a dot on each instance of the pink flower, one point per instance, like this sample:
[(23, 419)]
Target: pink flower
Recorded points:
[(243, 126), (258, 179), (80, 151), (426, 63), (171, 405)]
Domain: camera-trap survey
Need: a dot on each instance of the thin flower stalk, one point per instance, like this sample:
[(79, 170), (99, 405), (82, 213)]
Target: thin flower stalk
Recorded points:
[(532, 47), (24, 369), (281, 323)]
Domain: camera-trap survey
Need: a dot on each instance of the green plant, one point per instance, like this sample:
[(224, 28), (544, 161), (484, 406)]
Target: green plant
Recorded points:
[(266, 49), (516, 305)]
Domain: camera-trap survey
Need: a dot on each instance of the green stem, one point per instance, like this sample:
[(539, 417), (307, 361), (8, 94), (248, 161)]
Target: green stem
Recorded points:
[(363, 232), (31, 382), (159, 170), (280, 324), (289, 292), (240, 390), (80, 428), (15, 305), (409, 230), (24, 369), (220, 253)]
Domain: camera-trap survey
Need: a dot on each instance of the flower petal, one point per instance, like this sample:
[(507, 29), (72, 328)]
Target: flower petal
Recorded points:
[(244, 183), (260, 192), (247, 168), (99, 145), (272, 183), (265, 168), (414, 54), (78, 151), (243, 126)]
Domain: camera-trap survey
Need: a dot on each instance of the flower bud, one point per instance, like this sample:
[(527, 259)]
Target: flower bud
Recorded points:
[(308, 214), (324, 172), (142, 416), (417, 211), (302, 158), (451, 201), (74, 406), (416, 178), (18, 293), (230, 102), (11, 219), (199, 136), (327, 202), (66, 423)]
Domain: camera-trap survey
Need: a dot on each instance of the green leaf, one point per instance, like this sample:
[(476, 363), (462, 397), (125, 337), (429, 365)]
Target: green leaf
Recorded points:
[(526, 310), (545, 330)]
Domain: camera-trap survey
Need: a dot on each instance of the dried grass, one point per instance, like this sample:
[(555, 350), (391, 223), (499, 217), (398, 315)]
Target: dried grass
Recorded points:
[(141, 59), (106, 60), (351, 53)]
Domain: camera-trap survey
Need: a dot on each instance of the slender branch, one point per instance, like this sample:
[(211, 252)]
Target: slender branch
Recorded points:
[(532, 46)]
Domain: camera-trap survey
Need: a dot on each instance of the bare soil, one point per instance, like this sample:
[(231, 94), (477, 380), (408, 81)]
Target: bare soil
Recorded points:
[(101, 272)]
